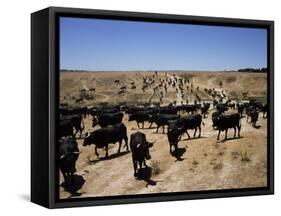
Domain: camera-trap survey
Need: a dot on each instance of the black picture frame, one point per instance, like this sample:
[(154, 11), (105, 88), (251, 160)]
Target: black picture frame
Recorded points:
[(45, 100)]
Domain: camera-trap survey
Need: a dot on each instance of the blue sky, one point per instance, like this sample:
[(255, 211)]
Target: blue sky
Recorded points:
[(96, 44)]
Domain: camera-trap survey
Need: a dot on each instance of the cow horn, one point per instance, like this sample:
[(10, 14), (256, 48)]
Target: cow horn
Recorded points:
[(62, 156), (138, 145), (77, 152)]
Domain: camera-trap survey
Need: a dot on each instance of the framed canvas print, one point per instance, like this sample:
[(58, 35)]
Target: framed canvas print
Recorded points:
[(139, 107)]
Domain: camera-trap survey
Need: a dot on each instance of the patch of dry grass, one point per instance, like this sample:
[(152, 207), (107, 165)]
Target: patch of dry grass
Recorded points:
[(244, 156), (156, 170), (216, 166)]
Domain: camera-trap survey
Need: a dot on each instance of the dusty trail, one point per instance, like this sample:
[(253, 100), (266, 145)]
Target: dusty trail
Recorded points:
[(178, 94)]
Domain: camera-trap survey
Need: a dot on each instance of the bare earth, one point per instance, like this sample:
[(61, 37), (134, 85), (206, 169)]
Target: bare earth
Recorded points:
[(206, 163)]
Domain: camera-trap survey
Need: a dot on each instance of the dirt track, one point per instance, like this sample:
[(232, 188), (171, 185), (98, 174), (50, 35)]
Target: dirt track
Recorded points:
[(205, 164)]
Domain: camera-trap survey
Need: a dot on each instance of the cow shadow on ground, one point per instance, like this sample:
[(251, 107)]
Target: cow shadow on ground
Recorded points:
[(193, 138), (145, 128), (110, 157), (178, 154), (160, 131), (73, 185), (257, 126), (144, 174), (231, 138)]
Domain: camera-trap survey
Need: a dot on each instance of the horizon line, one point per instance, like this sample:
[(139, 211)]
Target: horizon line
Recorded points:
[(163, 70)]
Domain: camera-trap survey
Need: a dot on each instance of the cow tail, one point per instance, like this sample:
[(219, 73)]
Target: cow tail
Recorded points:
[(203, 123), (240, 123), (82, 122)]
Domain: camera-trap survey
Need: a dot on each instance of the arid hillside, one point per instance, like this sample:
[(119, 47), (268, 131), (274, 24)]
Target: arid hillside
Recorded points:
[(233, 83)]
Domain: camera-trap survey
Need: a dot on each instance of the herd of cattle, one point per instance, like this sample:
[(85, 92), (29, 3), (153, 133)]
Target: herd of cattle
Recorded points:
[(178, 120), (159, 86)]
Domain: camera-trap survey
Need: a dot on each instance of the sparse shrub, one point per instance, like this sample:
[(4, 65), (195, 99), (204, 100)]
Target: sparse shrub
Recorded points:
[(221, 153), (216, 166), (231, 79), (234, 154), (155, 167), (195, 163), (244, 156)]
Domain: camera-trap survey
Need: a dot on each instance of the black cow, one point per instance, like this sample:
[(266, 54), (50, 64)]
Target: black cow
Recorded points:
[(101, 111), (104, 136), (140, 150), (224, 122), (161, 120), (215, 116), (255, 104), (206, 105), (79, 100), (68, 155), (168, 110), (248, 110), (215, 102), (264, 110), (64, 104), (231, 105), (75, 120), (174, 133), (192, 122), (222, 107), (132, 109), (93, 111), (121, 92), (83, 111), (107, 119), (204, 109), (240, 108), (254, 115), (190, 108), (142, 116), (65, 128)]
